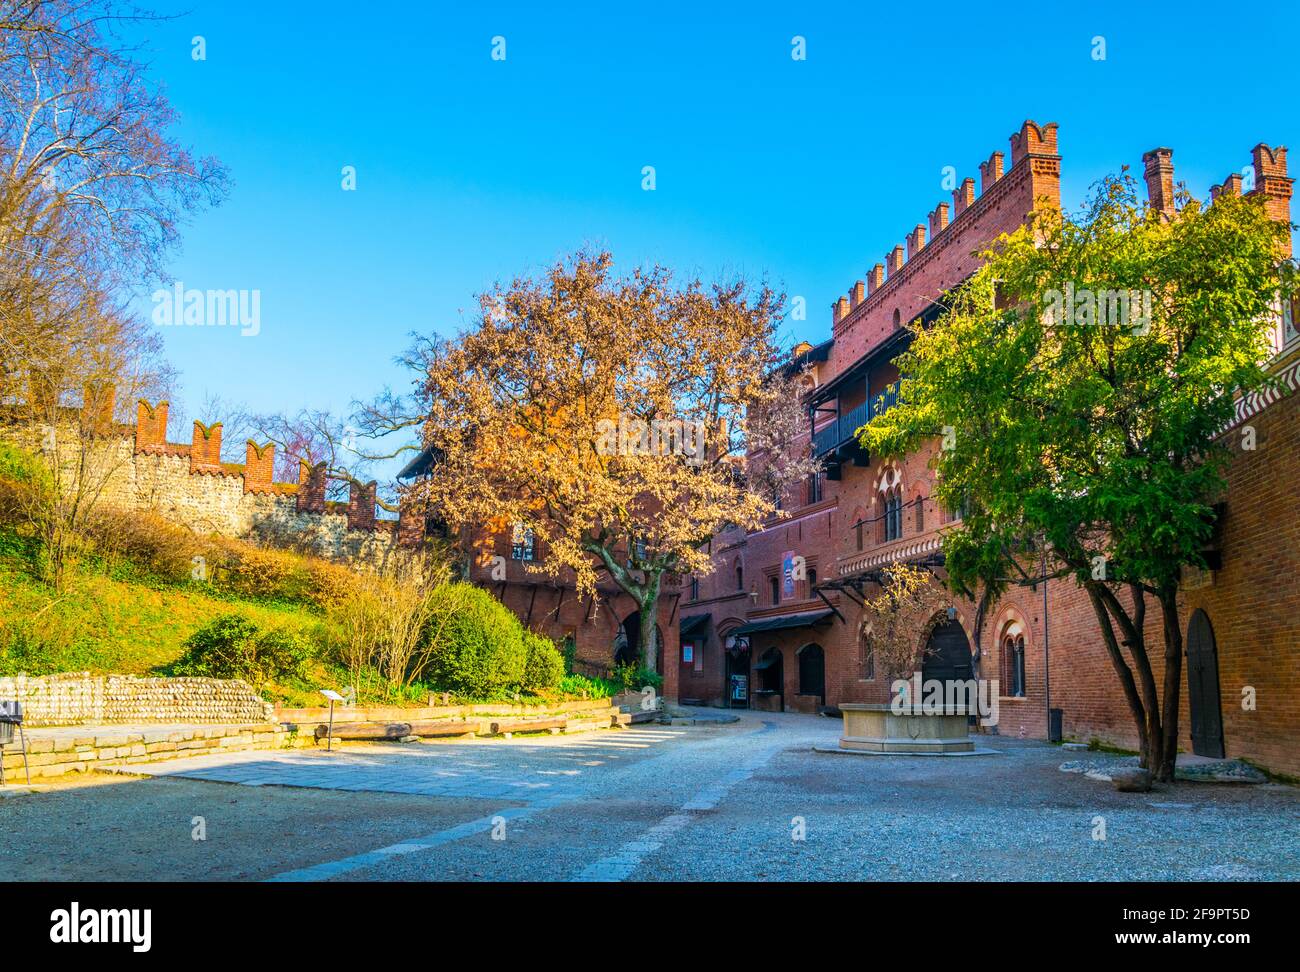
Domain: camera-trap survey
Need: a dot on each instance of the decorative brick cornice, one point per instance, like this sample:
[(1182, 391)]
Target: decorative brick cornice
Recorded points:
[(1285, 382), (889, 555)]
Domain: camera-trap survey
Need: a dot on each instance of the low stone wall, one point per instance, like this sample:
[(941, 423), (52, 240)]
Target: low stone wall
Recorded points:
[(54, 752), (79, 698), (391, 713)]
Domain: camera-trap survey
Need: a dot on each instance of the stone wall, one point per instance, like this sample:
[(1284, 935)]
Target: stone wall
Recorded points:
[(79, 698), (134, 468)]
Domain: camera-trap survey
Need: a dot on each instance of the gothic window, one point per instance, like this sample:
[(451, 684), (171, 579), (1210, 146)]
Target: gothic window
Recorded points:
[(1013, 665)]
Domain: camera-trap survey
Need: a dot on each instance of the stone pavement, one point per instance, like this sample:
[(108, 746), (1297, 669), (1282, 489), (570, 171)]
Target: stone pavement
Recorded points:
[(516, 770)]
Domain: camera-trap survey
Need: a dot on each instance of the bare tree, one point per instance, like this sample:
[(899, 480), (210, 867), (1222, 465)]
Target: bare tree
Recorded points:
[(92, 192)]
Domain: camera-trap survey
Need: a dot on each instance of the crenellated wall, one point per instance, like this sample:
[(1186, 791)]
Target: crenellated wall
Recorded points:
[(189, 484)]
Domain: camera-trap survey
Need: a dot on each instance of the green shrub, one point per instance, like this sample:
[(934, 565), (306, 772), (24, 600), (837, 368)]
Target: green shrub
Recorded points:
[(21, 466), (477, 649), (233, 646), (544, 667), (633, 678), (588, 688)]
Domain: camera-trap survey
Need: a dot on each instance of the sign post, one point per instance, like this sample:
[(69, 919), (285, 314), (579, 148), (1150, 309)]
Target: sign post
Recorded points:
[(333, 697)]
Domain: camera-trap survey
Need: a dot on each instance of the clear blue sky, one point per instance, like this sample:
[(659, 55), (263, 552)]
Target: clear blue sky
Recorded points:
[(471, 170)]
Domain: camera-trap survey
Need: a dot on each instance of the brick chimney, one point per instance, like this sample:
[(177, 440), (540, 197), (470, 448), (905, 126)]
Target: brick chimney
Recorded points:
[(962, 197), (875, 278), (205, 453), (1033, 139), (1231, 187), (259, 466), (990, 171), (1159, 173), (150, 425), (895, 259), (857, 294), (938, 220), (361, 506), (1271, 181), (311, 487), (915, 241)]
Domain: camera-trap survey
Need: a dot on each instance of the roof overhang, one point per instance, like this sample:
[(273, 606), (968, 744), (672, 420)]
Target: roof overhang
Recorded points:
[(805, 619)]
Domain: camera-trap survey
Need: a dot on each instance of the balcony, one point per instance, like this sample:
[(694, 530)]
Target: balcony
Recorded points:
[(840, 432)]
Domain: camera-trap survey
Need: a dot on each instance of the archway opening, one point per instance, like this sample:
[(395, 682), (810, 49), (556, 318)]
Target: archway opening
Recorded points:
[(947, 655), (812, 672)]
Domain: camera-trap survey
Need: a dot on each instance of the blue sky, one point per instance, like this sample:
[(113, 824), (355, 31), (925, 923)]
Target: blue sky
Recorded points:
[(470, 170)]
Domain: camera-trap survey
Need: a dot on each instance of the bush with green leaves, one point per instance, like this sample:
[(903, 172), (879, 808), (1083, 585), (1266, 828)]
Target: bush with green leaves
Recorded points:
[(233, 646), (633, 678), (588, 688), (544, 667), (478, 651)]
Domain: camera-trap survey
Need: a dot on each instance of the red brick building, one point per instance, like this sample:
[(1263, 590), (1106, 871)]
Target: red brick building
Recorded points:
[(760, 632)]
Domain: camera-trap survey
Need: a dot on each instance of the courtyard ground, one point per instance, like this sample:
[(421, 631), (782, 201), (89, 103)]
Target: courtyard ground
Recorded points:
[(750, 801)]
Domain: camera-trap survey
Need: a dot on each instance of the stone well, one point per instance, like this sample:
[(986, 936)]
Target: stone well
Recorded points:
[(879, 729)]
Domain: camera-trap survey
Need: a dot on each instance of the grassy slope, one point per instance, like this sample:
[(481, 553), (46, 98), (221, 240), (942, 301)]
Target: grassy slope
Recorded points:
[(121, 622), (114, 622)]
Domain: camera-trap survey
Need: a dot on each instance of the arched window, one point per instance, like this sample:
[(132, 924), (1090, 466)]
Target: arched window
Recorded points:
[(920, 512), (695, 588), (1013, 663), (867, 655), (893, 514), (898, 317), (740, 576)]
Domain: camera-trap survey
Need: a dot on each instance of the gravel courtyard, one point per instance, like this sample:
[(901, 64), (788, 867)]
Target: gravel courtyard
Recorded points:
[(750, 801)]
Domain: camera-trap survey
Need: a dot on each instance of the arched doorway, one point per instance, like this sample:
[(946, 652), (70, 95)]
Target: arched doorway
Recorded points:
[(1203, 687), (627, 643), (947, 656), (736, 651), (812, 672)]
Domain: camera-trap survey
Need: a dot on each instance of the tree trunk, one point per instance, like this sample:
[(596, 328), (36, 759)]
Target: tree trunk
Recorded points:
[(644, 590), (1140, 717), (1173, 683), (649, 608)]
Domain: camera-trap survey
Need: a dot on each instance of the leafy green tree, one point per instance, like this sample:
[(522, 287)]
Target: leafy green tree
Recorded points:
[(1078, 387)]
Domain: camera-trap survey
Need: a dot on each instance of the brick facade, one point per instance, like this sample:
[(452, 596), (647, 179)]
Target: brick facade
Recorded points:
[(866, 513)]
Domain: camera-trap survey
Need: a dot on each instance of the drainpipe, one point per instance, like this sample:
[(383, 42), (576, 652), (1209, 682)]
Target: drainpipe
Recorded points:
[(1047, 668)]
